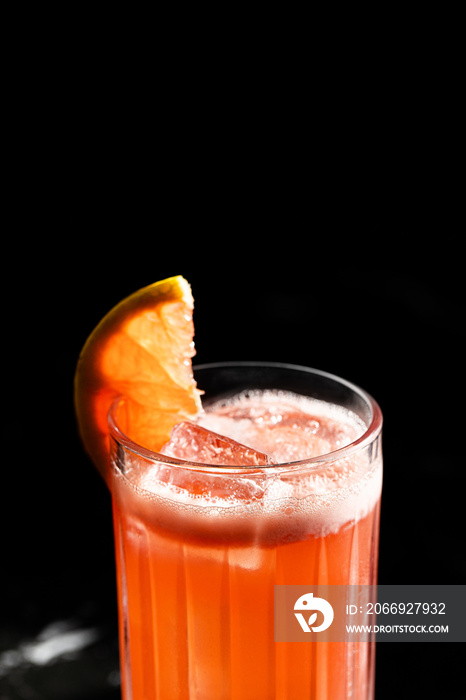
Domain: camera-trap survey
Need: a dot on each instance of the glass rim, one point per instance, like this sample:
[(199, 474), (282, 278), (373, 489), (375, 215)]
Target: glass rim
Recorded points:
[(373, 429)]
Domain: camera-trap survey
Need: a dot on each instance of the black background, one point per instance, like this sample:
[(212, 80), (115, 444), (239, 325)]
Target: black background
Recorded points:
[(336, 245)]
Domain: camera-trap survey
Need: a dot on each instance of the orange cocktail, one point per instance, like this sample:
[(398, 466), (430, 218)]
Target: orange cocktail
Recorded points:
[(200, 546)]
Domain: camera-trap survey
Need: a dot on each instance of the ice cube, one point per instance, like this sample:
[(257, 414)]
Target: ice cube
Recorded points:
[(195, 443)]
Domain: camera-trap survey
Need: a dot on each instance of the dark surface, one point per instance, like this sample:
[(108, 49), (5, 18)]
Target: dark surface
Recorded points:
[(393, 325)]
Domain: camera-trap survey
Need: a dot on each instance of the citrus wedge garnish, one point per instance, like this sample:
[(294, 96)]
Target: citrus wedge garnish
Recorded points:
[(140, 351)]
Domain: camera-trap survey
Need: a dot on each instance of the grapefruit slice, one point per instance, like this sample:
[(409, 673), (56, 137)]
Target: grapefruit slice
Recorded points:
[(140, 351)]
